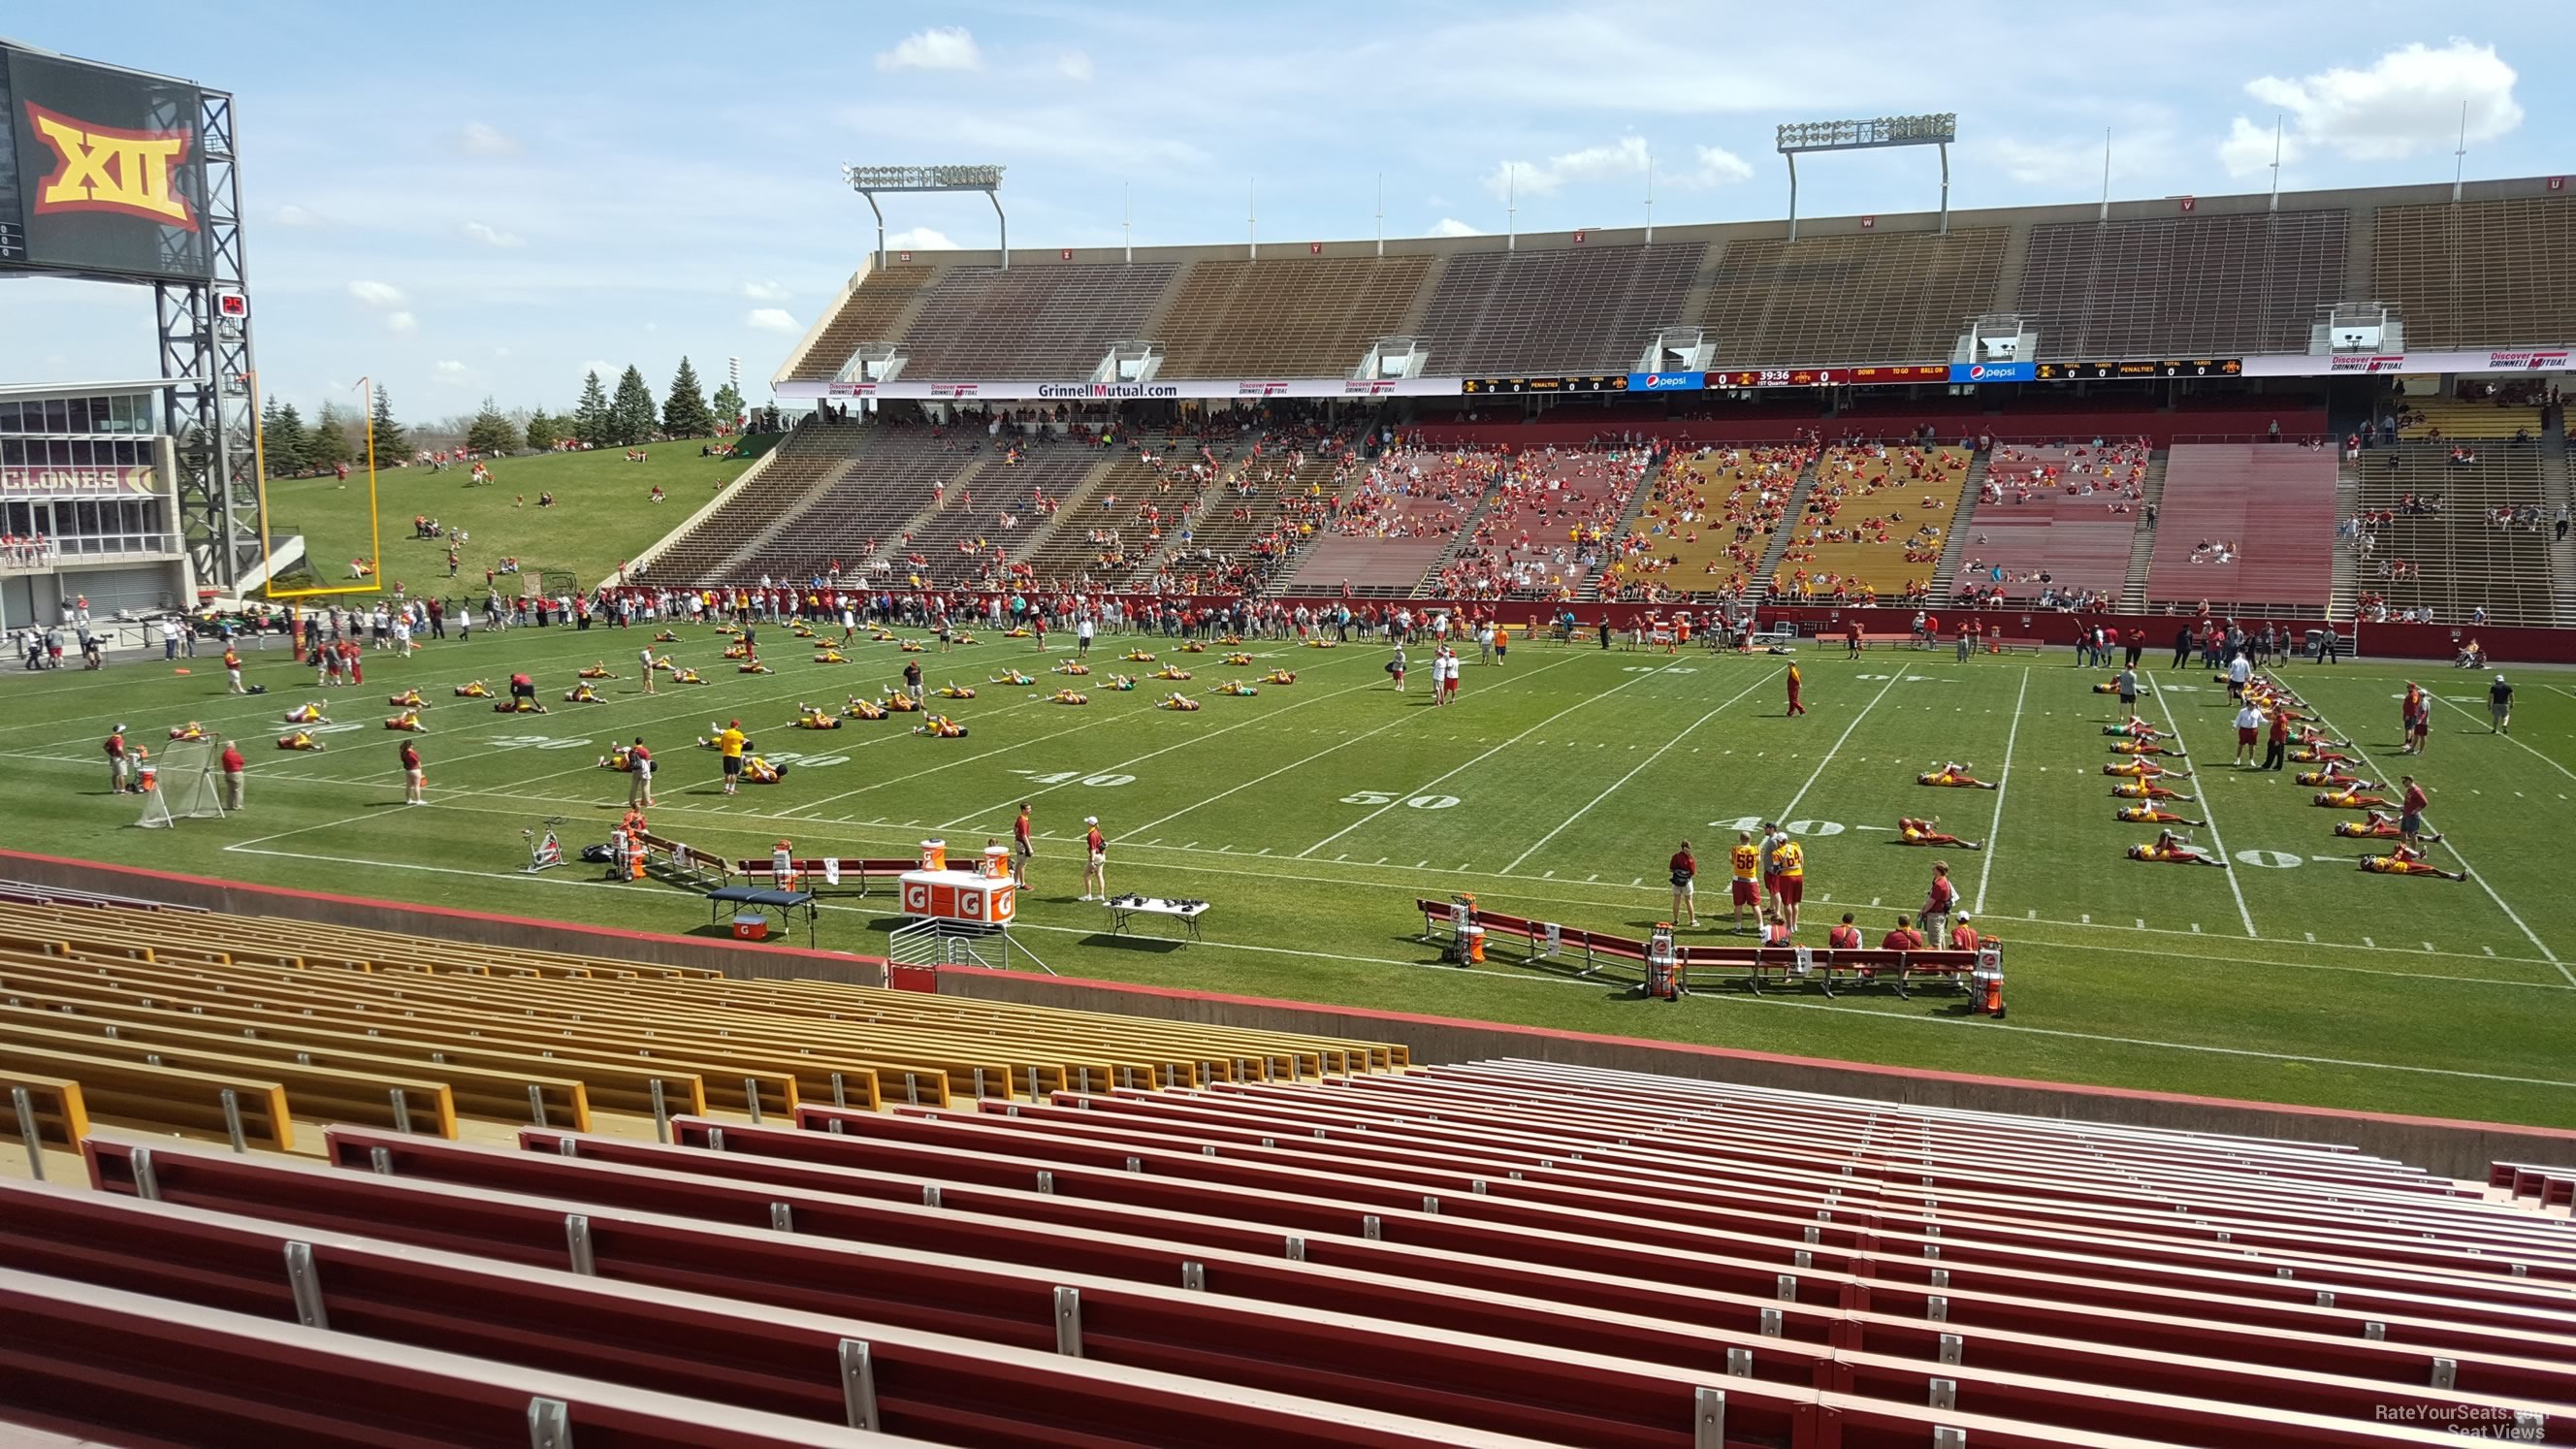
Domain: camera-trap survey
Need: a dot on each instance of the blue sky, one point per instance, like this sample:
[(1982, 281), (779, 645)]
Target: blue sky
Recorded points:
[(479, 198)]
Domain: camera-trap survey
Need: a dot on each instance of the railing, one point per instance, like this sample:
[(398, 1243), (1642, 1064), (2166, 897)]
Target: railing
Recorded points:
[(952, 943), (107, 545)]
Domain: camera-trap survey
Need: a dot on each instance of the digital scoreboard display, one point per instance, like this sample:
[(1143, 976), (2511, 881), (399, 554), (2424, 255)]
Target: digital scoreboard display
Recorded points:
[(102, 170), (13, 218)]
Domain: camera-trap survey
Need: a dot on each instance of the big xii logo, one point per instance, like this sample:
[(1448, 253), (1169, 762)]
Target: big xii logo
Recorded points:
[(99, 168)]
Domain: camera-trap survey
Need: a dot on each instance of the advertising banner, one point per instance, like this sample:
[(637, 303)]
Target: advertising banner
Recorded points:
[(1036, 390), (2349, 363), (1993, 371), (1666, 381), (55, 481), (106, 169)]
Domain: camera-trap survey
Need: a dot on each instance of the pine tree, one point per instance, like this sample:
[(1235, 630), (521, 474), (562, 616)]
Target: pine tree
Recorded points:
[(684, 413), (590, 422), (326, 445), (281, 439), (631, 415), (393, 441), (544, 431), (490, 432), (728, 405)]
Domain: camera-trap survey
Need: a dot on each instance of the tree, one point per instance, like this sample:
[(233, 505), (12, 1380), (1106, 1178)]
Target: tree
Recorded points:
[(393, 442), (684, 413), (281, 438), (590, 416), (631, 415), (544, 432), (728, 405), (490, 432), (326, 444)]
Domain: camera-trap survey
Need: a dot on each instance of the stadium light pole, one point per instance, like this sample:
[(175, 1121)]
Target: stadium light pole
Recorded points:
[(867, 181), (1800, 137)]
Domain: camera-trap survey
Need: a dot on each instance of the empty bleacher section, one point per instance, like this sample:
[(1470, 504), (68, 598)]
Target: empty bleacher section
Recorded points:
[(1577, 309), (1298, 317), (2450, 526), (2246, 528), (2053, 525), (856, 522), (1547, 525), (2481, 273), (1101, 532), (1575, 1255), (2184, 286), (875, 311), (1709, 521), (1855, 298), (1030, 321), (1873, 525), (774, 488)]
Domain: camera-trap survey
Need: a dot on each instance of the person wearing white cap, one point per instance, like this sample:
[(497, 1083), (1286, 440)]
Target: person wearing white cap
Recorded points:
[(2500, 707), (119, 763), (1095, 861), (1964, 937)]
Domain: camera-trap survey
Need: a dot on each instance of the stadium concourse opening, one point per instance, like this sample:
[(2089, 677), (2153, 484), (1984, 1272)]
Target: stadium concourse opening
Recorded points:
[(1244, 728)]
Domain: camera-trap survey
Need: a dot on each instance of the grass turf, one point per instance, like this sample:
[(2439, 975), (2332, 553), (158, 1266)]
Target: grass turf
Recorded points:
[(602, 516), (1557, 785)]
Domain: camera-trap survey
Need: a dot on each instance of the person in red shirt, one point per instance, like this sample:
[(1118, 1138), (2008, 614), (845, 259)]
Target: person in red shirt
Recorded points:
[(233, 766), (414, 778), (1941, 899), (354, 661), (1022, 849), (119, 764), (1903, 938), (1095, 860), (1843, 937), (1964, 937), (1685, 870), (2410, 811), (1796, 681)]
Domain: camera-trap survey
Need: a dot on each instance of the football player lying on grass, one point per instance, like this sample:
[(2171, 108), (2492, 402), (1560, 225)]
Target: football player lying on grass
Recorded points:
[(1121, 682), (830, 656), (1236, 688), (1175, 701), (1238, 660), (1071, 668), (306, 714), (2145, 747), (1069, 696), (2150, 815), (597, 670), (2318, 755), (940, 727), (2136, 729), (1170, 671), (2334, 777), (2349, 798), (298, 741), (408, 699), (408, 722), (753, 666), (191, 731), (2374, 825), (2407, 860), (757, 771), (1910, 831), (521, 705), (476, 690), (582, 694), (2142, 790), (1954, 776), (956, 691), (687, 676), (814, 717), (1010, 676), (2172, 849), (858, 708), (1280, 676), (2137, 769)]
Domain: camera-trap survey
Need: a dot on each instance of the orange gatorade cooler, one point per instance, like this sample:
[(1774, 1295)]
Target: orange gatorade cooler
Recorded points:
[(934, 855), (1474, 939), (996, 862)]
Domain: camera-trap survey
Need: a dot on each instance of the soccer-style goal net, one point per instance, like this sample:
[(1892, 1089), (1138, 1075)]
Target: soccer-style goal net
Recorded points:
[(183, 789)]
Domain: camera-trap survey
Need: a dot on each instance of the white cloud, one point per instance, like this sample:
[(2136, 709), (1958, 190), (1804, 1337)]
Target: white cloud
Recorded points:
[(1073, 65), (1452, 226), (294, 216), (764, 291), (2409, 100), (2248, 148), (1624, 157), (493, 236), (478, 139), (771, 319), (919, 239), (377, 294), (450, 373), (402, 322), (1717, 167), (945, 47)]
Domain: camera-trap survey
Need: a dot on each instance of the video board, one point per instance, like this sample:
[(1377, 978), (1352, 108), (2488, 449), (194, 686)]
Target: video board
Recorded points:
[(102, 170)]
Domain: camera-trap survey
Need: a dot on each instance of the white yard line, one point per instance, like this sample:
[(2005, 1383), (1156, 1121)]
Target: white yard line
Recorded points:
[(2208, 810), (1732, 999), (1687, 731), (1792, 807), (2517, 744), (2003, 784), (2466, 868), (1480, 759)]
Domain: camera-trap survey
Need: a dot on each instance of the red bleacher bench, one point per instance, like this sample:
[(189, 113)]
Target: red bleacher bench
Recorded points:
[(810, 874), (1702, 966), (2552, 1185)]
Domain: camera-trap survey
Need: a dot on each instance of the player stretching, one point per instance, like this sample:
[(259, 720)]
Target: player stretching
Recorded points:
[(2172, 849), (1910, 831)]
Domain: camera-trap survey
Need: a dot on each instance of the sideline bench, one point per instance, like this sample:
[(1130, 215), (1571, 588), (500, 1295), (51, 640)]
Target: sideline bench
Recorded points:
[(1717, 965), (695, 867), (828, 875)]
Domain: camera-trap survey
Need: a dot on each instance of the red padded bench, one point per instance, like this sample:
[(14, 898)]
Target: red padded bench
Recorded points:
[(854, 874)]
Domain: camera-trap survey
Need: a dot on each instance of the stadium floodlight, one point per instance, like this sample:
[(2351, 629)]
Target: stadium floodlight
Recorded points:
[(867, 181), (1928, 130)]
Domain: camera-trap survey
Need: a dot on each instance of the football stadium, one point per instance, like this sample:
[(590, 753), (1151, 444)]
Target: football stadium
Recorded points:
[(1125, 754)]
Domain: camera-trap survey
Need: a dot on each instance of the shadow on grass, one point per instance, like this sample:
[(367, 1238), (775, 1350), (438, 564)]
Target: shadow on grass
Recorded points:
[(1154, 945)]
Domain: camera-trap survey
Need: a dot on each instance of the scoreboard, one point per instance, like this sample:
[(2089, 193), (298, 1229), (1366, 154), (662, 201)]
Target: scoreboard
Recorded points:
[(1830, 376), (2113, 371), (102, 170)]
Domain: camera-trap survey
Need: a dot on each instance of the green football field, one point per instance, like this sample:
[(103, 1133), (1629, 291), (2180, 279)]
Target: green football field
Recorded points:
[(1556, 787)]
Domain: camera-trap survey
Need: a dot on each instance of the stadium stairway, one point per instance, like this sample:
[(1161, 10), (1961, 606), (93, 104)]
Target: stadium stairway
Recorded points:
[(1590, 589), (2142, 544), (2346, 599), (1960, 522), (2555, 493), (1797, 509), (1428, 586)]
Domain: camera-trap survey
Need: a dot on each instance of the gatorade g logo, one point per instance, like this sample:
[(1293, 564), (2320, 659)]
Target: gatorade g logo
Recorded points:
[(101, 169)]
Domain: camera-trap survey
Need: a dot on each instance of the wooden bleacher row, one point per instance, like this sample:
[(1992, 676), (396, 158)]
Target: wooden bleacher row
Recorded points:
[(1712, 966), (219, 1027), (1402, 1245)]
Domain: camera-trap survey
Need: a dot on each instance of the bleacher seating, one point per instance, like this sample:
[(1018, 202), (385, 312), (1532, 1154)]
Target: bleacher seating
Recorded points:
[(1293, 317), (1710, 520), (1546, 526), (2479, 274), (2183, 286), (1572, 309), (2246, 528), (2430, 535), (965, 539), (2055, 520), (1874, 523), (1251, 514), (877, 310), (774, 487), (1394, 520), (1570, 1254), (2433, 419), (1038, 320), (1851, 298)]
